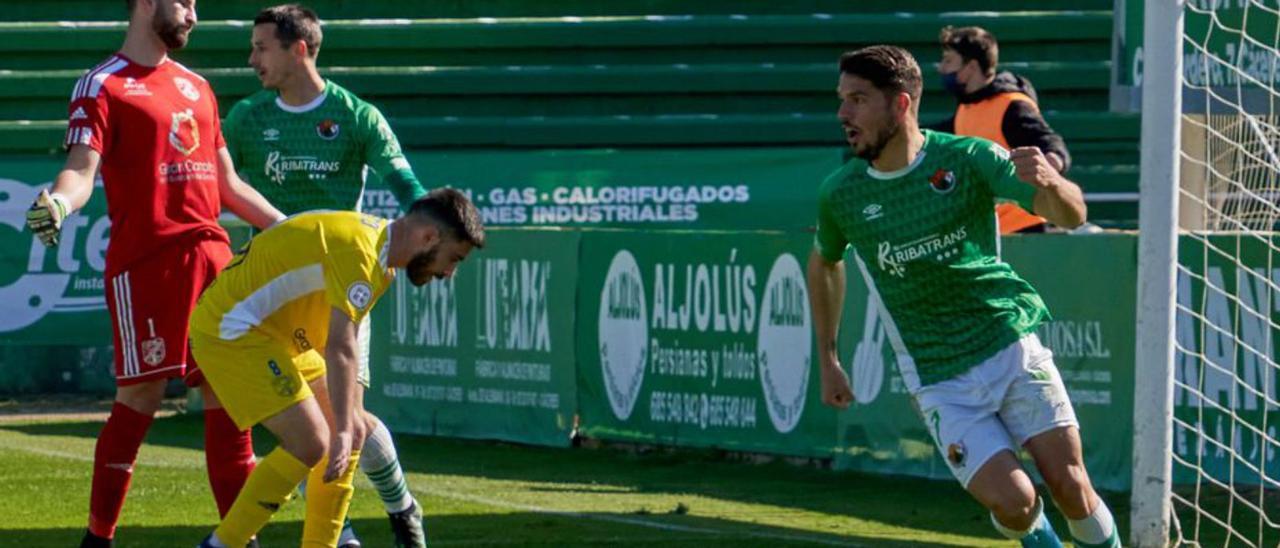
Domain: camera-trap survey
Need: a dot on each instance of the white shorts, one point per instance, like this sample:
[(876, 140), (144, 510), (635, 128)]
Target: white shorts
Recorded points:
[(1009, 398)]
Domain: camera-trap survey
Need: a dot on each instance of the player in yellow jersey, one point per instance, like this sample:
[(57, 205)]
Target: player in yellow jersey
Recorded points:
[(294, 295)]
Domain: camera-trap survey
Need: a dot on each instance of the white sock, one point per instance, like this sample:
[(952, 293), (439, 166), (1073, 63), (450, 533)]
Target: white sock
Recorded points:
[(1095, 529), (348, 537), (1013, 534), (379, 462)]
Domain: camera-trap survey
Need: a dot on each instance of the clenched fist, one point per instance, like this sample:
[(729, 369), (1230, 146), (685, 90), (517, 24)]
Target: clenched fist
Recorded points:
[(835, 386), (1033, 168)]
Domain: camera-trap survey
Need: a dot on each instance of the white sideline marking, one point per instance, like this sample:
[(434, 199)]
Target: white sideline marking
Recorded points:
[(81, 457), (6, 443)]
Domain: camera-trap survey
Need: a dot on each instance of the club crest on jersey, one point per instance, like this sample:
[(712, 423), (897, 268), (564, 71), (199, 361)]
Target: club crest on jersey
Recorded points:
[(153, 351), (956, 454), (184, 134), (284, 385), (186, 88), (360, 293), (328, 129), (943, 181)]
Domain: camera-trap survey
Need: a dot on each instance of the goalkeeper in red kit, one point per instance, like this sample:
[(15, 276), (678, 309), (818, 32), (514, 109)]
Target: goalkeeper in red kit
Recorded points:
[(151, 128)]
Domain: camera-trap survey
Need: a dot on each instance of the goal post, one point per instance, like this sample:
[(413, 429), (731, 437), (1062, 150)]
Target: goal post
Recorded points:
[(1151, 510), (1207, 379)]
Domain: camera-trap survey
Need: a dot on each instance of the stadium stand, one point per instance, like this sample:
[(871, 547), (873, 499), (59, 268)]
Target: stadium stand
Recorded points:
[(638, 73)]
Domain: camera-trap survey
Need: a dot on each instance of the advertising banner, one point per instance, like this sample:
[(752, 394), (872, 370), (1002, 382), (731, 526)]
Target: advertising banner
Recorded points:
[(50, 296), (1227, 395), (488, 353), (699, 340), (703, 189)]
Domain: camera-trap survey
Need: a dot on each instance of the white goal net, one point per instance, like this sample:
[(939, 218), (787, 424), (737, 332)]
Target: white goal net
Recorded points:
[(1225, 454)]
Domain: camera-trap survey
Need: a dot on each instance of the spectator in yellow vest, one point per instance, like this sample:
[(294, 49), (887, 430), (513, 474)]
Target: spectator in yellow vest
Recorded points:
[(999, 106)]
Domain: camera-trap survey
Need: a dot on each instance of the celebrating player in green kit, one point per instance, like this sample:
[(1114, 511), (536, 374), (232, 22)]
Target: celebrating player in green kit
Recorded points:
[(916, 207), (305, 143)]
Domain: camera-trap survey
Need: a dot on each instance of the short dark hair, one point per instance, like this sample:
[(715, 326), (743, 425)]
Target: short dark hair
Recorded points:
[(890, 69), (972, 44), (454, 213), (130, 4), (293, 22)]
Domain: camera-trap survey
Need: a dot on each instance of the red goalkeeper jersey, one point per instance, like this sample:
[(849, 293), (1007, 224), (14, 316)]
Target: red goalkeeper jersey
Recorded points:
[(158, 132)]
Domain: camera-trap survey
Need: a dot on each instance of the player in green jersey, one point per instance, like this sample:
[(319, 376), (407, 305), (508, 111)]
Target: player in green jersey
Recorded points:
[(916, 208), (305, 143)]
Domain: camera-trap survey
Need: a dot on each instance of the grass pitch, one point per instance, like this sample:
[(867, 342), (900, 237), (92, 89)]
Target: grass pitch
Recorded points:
[(491, 494)]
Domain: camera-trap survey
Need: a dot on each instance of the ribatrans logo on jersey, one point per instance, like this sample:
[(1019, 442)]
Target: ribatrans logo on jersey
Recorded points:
[(184, 133), (278, 166), (186, 88), (624, 333), (784, 345), (940, 247), (884, 256)]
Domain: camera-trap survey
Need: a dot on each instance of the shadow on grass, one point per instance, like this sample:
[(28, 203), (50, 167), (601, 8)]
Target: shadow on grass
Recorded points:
[(506, 529), (935, 506)]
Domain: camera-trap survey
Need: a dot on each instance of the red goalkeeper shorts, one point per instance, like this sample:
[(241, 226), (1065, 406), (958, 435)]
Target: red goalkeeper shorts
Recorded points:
[(150, 304)]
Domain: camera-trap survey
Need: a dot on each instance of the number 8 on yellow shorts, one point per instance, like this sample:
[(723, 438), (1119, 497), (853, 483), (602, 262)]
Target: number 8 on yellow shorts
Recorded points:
[(254, 376)]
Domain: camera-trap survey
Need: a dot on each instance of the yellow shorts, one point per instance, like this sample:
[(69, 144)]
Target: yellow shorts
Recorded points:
[(255, 377), (310, 364)]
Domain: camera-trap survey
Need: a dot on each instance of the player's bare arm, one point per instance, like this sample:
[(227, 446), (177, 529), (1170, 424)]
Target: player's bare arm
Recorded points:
[(71, 191), (1057, 199), (341, 361), (75, 181), (240, 198), (826, 298)]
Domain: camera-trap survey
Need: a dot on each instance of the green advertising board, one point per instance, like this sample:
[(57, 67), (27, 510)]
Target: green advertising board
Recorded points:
[(57, 369), (50, 296), (52, 309), (1227, 380), (699, 339), (1229, 48), (1087, 283), (55, 297), (488, 353), (693, 189)]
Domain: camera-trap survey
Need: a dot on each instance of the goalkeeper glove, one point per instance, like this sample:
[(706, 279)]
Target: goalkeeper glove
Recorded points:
[(46, 215)]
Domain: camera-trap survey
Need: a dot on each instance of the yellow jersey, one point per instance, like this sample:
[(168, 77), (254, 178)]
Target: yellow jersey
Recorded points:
[(285, 281)]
